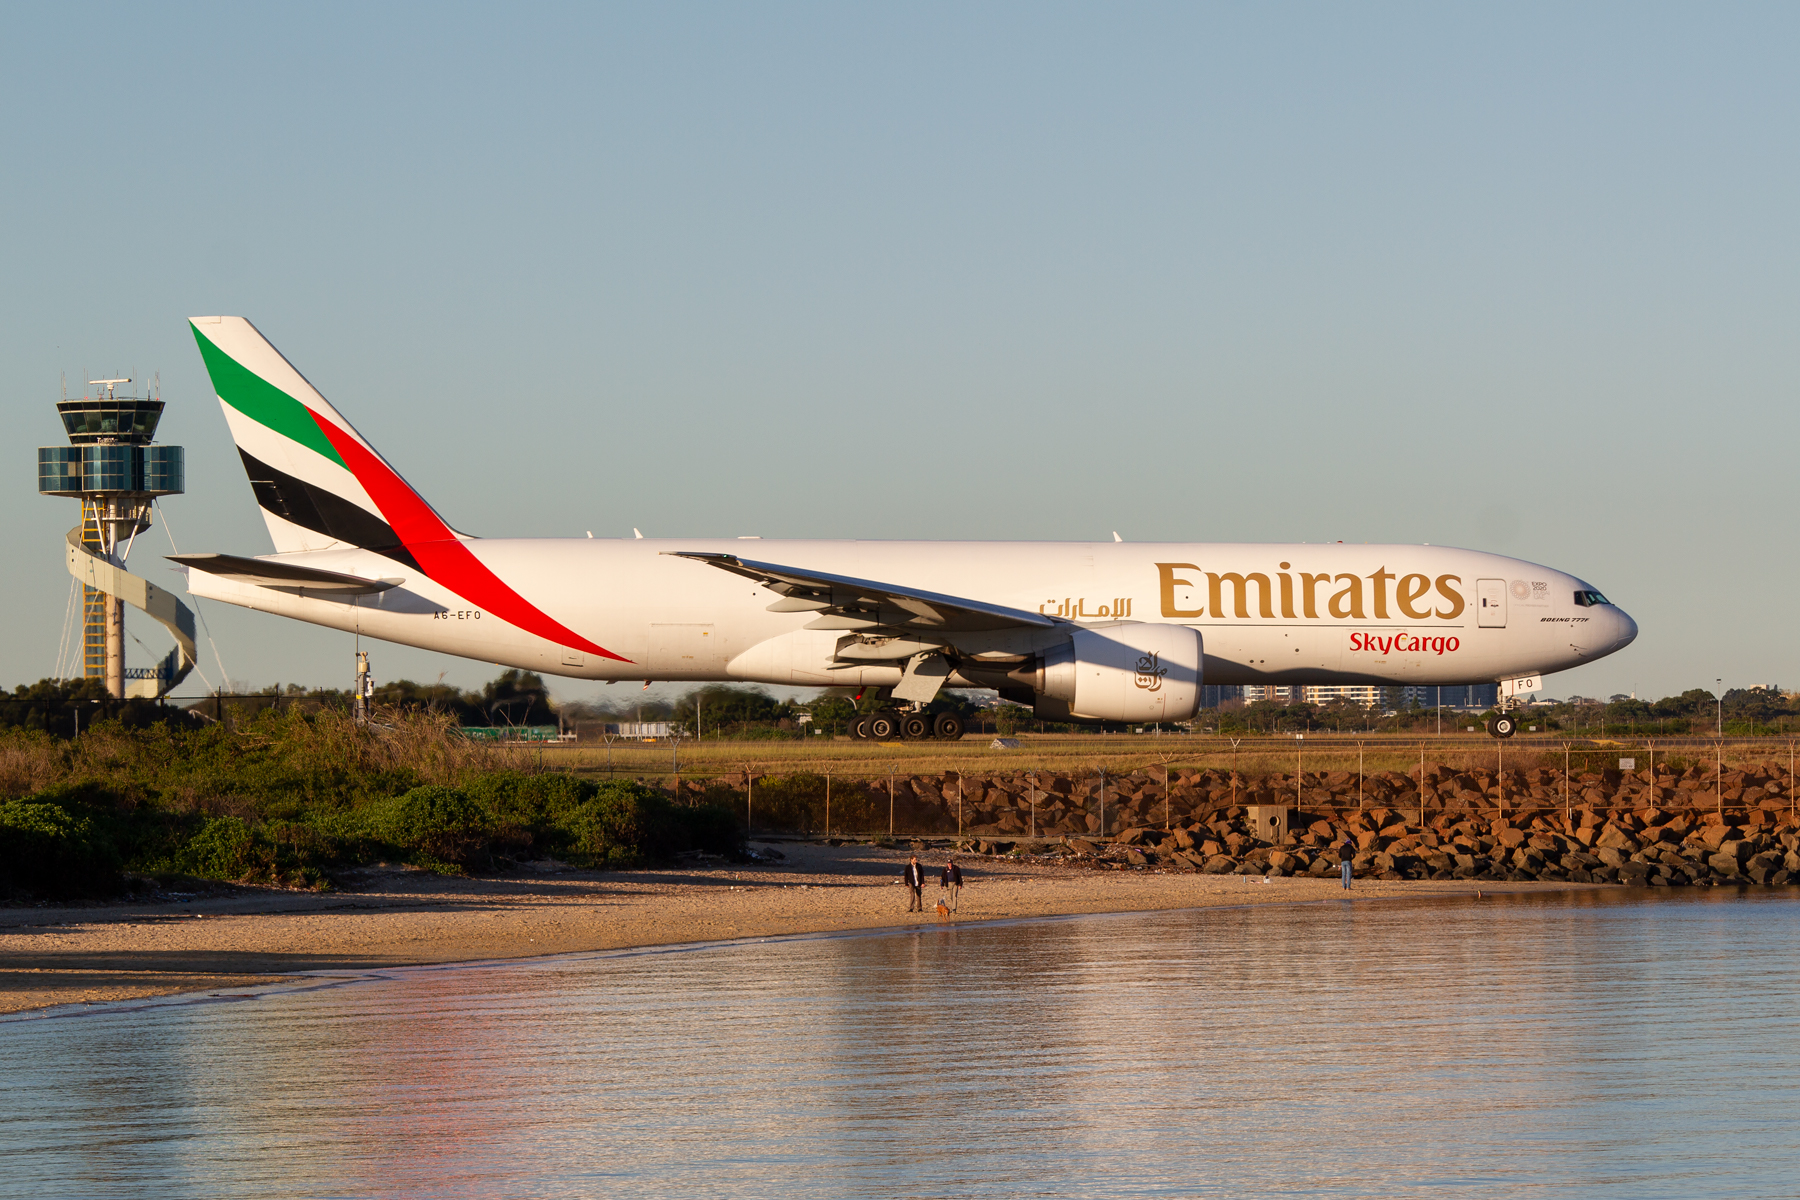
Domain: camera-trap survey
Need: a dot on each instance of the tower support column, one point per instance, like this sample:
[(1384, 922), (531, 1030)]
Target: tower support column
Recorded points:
[(115, 647)]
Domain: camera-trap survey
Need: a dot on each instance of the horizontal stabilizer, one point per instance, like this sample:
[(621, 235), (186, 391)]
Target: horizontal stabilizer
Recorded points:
[(288, 577)]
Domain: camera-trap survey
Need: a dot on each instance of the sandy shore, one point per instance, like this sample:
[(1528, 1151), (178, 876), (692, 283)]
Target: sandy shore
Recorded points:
[(92, 954)]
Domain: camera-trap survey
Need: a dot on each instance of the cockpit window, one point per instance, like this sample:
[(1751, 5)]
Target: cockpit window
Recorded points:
[(1589, 599)]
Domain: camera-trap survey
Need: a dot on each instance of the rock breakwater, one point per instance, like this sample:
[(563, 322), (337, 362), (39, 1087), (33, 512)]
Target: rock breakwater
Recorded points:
[(1672, 828)]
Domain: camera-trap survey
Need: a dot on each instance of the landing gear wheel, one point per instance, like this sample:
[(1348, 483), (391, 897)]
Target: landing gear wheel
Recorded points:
[(1503, 726), (884, 726), (948, 726), (859, 728), (915, 726)]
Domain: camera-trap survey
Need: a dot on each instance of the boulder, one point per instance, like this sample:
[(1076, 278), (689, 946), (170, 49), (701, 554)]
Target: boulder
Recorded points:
[(1615, 838), (1220, 864)]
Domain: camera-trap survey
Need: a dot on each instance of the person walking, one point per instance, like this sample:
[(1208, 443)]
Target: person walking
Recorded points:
[(915, 884), (952, 879), (1347, 853)]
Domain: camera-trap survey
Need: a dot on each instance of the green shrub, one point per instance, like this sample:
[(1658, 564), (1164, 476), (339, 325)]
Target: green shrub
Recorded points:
[(436, 826), (225, 848), (623, 824), (46, 850), (536, 804), (626, 824)]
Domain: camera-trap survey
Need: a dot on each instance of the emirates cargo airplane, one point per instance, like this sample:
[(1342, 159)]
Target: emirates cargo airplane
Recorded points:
[(1079, 631)]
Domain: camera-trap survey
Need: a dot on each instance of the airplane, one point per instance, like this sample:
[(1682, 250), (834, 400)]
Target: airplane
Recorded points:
[(1078, 631)]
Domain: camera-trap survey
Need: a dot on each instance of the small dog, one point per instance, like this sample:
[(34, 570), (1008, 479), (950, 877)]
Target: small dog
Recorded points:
[(943, 909)]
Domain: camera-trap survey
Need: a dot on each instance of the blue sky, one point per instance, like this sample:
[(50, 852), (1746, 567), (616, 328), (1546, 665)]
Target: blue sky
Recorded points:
[(1518, 278)]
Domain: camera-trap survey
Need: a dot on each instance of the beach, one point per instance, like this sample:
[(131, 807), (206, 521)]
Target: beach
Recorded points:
[(394, 916)]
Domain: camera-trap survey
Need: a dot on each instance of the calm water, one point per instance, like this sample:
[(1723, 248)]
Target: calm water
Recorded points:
[(1555, 1046)]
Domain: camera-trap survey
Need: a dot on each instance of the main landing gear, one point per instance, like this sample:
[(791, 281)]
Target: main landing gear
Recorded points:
[(889, 725)]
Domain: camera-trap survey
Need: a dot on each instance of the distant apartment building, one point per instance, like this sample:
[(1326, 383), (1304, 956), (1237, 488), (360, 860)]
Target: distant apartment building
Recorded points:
[(1369, 695), (1280, 694)]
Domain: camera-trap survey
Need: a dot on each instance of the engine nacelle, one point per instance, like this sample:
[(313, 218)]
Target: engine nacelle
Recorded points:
[(1132, 671)]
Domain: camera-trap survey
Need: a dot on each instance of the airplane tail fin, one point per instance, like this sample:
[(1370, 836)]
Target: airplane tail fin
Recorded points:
[(320, 484)]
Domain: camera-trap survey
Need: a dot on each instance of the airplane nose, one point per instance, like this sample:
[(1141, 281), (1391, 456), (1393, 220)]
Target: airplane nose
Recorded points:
[(1626, 628)]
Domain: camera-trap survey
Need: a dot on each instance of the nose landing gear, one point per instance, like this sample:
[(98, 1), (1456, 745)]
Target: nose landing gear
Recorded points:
[(1502, 725)]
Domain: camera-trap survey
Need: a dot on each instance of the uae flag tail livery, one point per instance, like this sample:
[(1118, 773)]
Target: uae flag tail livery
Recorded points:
[(323, 487)]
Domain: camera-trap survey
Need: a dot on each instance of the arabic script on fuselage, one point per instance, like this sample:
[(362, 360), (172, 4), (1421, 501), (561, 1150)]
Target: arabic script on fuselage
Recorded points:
[(1076, 609)]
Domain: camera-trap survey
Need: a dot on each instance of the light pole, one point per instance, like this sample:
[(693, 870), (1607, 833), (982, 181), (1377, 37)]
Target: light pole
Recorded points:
[(1719, 698)]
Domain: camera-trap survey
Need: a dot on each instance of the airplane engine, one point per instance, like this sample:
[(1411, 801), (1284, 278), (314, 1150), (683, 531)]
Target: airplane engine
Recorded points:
[(1132, 671)]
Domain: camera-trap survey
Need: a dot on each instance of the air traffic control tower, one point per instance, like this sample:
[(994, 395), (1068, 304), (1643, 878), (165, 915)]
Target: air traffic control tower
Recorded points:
[(113, 468)]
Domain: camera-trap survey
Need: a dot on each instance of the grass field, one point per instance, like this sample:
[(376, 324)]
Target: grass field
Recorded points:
[(1120, 754)]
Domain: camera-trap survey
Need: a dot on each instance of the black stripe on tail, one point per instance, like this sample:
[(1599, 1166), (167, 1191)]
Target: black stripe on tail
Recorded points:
[(322, 511)]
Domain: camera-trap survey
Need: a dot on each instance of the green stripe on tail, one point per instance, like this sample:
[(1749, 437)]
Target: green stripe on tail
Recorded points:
[(262, 401)]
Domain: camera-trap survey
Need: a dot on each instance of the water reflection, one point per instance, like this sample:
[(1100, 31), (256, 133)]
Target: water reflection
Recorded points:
[(1590, 1044)]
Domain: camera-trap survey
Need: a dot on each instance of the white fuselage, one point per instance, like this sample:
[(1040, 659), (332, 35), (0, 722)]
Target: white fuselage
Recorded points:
[(1267, 613)]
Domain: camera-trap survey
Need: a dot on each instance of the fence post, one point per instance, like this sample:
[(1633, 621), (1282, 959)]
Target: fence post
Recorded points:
[(749, 811), (890, 800), (1102, 803), (1166, 825), (1566, 805), (828, 804), (1421, 785), (1500, 769), (1034, 802)]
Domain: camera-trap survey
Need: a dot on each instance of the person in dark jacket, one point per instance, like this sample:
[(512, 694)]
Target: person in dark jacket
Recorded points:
[(952, 879), (915, 883), (1347, 852)]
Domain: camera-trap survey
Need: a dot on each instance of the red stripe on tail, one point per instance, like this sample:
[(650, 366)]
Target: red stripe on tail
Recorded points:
[(443, 556)]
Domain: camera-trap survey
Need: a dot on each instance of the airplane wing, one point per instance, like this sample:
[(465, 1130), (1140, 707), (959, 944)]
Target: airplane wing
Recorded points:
[(851, 604), (284, 576)]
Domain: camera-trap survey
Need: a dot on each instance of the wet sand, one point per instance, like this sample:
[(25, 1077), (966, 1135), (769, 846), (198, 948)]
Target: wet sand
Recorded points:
[(393, 917)]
